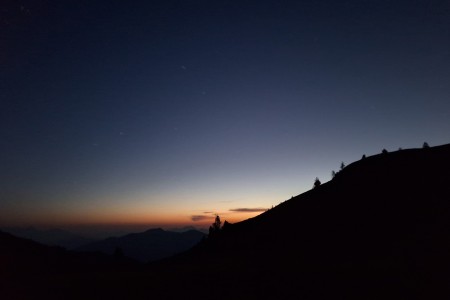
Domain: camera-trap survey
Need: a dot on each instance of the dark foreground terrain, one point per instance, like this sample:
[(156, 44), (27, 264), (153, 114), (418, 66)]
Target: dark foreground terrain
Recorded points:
[(379, 230)]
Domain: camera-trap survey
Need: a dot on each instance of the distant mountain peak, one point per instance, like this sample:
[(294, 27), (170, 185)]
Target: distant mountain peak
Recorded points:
[(159, 229)]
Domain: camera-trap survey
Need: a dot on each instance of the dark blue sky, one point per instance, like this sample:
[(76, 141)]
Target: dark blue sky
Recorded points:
[(163, 112)]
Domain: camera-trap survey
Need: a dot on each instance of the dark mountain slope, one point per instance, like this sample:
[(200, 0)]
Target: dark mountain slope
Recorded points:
[(380, 229), (150, 245), (29, 270)]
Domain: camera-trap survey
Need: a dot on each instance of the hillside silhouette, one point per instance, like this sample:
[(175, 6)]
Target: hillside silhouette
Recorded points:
[(378, 230), (30, 270)]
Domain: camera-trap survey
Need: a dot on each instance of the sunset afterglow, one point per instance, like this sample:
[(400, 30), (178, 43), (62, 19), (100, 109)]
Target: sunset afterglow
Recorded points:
[(166, 114)]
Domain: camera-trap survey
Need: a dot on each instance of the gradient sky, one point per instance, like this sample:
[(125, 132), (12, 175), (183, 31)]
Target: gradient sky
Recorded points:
[(164, 113)]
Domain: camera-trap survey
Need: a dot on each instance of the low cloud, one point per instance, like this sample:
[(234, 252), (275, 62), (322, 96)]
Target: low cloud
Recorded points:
[(246, 209), (196, 218)]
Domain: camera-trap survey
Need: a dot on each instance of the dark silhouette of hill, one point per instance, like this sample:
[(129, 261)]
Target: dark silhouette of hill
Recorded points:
[(30, 270), (50, 237), (150, 245), (379, 230)]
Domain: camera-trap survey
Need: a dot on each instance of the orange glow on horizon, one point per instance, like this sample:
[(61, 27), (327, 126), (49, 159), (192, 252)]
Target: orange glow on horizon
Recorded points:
[(128, 219)]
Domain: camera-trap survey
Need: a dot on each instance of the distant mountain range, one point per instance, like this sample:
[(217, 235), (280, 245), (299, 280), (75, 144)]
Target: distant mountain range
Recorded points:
[(147, 246), (379, 230), (150, 245), (51, 237), (187, 228)]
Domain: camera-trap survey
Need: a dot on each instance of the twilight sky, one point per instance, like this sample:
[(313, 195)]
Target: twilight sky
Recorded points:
[(164, 113)]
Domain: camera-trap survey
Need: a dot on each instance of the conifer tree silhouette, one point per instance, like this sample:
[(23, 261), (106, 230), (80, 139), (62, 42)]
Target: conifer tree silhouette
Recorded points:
[(215, 227)]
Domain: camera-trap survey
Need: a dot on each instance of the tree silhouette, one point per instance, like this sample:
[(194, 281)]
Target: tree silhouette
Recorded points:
[(363, 157), (333, 174), (342, 166), (425, 145), (226, 225), (317, 182), (215, 227), (384, 151)]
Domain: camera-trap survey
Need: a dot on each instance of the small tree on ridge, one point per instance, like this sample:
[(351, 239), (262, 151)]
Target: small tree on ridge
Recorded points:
[(317, 182), (215, 227)]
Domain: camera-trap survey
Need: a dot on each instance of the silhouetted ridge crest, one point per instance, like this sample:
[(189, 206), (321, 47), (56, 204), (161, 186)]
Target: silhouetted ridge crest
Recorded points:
[(382, 219), (155, 230)]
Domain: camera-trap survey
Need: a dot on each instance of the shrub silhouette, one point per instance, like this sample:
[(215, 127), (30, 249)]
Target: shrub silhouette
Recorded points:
[(317, 182), (425, 145), (342, 166), (333, 174), (384, 151)]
